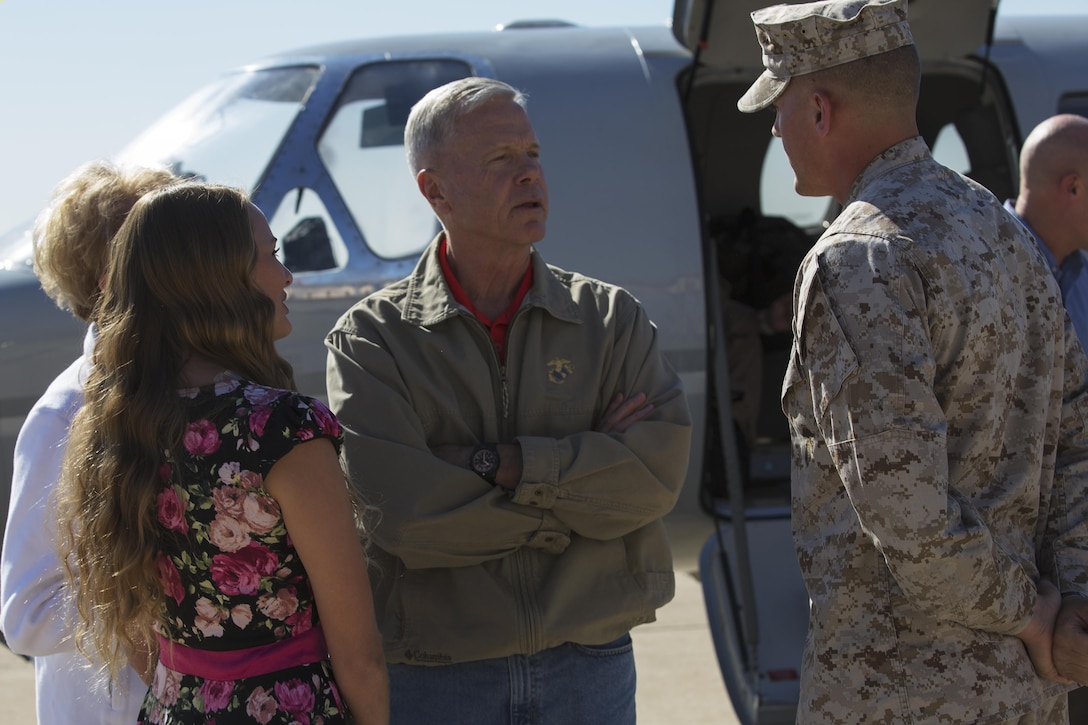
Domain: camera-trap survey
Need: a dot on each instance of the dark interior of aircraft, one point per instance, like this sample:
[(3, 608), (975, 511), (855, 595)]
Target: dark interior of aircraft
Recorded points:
[(756, 256)]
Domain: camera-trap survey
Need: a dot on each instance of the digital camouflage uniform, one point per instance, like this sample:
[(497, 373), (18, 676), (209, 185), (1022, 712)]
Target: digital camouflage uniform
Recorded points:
[(937, 398), (804, 38)]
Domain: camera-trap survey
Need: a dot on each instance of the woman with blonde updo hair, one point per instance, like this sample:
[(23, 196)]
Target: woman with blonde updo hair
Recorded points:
[(205, 511), (71, 238)]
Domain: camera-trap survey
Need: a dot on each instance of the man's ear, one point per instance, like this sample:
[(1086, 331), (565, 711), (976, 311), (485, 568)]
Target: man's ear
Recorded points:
[(822, 112), (1071, 185), (431, 188)]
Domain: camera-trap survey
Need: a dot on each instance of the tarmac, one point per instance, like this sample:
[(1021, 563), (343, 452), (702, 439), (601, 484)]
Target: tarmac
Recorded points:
[(679, 682)]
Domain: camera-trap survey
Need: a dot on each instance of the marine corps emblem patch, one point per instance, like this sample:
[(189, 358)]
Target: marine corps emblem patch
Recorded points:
[(559, 369)]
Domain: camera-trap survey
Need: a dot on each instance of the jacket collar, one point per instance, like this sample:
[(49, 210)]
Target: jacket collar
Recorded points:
[(428, 300), (905, 152)]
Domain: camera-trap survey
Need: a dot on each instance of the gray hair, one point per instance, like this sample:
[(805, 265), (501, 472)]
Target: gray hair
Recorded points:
[(434, 116)]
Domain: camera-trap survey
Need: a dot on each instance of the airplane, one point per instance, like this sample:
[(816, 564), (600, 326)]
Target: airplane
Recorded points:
[(657, 183)]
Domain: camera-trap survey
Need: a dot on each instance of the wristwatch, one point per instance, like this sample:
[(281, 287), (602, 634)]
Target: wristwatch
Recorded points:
[(485, 461)]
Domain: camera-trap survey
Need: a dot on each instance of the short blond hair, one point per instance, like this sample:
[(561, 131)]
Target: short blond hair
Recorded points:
[(71, 236)]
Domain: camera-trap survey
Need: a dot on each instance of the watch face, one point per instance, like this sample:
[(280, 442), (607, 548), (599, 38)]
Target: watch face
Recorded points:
[(485, 462)]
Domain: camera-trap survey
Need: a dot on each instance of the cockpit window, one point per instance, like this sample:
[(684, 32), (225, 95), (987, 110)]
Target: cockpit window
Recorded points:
[(362, 147), (227, 132), (308, 238)]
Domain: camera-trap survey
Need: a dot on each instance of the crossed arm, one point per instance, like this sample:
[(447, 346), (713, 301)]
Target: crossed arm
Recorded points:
[(620, 415), (601, 478)]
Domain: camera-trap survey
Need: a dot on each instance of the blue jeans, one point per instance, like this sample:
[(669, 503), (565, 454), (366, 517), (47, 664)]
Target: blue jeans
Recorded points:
[(567, 685)]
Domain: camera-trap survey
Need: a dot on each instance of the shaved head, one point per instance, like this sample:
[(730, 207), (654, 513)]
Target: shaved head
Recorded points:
[(1053, 196), (1056, 147)]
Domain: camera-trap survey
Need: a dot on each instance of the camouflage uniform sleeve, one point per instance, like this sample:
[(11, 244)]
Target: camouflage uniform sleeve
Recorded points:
[(864, 338), (1065, 555)]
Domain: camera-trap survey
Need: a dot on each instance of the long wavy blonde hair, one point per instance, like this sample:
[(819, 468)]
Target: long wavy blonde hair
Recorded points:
[(178, 284)]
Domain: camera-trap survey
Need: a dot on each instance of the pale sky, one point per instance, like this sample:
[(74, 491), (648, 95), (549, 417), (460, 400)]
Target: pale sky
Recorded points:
[(81, 78)]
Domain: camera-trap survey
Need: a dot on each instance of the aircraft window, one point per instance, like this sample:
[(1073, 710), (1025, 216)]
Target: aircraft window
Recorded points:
[(227, 132), (949, 150), (1074, 103), (776, 195), (308, 239), (362, 148)]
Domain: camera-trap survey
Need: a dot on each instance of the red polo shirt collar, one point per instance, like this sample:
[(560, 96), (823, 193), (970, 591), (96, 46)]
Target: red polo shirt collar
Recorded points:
[(500, 325)]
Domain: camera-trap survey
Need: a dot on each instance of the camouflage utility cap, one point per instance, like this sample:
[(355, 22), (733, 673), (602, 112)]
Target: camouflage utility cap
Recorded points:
[(800, 39)]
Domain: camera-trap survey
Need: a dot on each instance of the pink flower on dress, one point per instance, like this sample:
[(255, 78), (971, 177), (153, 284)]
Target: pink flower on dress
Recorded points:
[(172, 511), (241, 615), (257, 419), (250, 480), (240, 572), (170, 579), (261, 705), (262, 513), (296, 698), (325, 419), (279, 606), (201, 438), (216, 694), (228, 501), (301, 621), (167, 685), (228, 534), (209, 618)]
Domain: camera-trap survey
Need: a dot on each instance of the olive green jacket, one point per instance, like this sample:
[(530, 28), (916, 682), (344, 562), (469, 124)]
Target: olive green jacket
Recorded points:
[(464, 570)]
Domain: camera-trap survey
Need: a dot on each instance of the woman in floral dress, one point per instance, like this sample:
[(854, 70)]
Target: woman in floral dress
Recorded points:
[(208, 524)]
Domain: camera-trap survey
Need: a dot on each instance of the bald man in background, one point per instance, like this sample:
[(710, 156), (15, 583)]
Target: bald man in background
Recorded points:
[(1053, 205)]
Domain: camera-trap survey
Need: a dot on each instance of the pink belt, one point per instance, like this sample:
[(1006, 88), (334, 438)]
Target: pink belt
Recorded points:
[(304, 649)]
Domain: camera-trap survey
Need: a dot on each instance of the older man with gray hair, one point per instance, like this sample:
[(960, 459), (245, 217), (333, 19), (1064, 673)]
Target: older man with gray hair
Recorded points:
[(937, 398), (523, 436)]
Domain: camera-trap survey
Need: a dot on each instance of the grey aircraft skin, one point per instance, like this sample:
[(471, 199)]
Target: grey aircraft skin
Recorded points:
[(657, 183)]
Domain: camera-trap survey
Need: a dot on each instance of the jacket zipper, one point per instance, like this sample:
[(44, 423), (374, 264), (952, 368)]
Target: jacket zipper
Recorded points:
[(523, 563)]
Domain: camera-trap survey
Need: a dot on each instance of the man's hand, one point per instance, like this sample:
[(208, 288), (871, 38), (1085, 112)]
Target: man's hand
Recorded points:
[(622, 414), (1038, 635), (1071, 639)]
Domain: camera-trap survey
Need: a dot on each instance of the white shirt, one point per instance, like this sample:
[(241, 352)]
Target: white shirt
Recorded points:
[(34, 613)]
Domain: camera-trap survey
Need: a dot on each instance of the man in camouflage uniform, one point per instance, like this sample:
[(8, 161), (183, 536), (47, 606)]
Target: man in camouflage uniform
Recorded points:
[(937, 397)]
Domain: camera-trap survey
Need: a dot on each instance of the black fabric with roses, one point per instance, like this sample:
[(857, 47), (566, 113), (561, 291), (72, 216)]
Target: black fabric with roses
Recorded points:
[(231, 578)]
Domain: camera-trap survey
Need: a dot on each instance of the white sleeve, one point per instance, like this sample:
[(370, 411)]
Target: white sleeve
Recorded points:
[(33, 609)]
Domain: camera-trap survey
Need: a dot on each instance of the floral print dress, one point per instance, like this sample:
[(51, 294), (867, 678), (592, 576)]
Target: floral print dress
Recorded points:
[(231, 578)]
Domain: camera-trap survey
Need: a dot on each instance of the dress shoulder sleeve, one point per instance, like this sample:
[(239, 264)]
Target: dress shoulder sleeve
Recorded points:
[(295, 418)]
